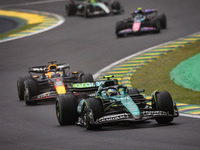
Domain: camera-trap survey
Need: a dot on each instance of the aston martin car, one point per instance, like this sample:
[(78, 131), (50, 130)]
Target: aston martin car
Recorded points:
[(112, 103)]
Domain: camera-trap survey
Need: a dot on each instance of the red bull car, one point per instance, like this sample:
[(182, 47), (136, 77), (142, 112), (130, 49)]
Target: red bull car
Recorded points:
[(47, 82), (89, 8), (141, 21)]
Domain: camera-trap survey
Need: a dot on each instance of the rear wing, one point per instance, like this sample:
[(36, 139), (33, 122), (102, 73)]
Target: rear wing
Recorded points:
[(37, 69), (43, 69)]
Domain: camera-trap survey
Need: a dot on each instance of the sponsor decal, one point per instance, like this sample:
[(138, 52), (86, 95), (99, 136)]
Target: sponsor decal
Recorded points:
[(113, 117), (86, 84), (43, 95), (154, 113)]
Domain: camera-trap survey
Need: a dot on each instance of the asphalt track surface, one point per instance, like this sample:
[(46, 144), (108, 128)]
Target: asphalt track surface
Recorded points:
[(7, 24), (89, 45)]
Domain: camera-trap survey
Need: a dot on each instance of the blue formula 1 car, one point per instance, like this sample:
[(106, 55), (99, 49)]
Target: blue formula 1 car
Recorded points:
[(89, 8), (115, 103), (141, 21)]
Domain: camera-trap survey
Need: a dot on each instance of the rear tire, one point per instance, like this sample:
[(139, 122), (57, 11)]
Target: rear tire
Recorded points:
[(94, 105), (20, 86), (66, 109), (87, 78), (164, 103), (31, 89), (116, 6)]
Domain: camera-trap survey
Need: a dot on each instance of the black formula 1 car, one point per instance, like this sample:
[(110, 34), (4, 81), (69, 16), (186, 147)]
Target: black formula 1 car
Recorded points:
[(89, 8), (48, 82), (141, 21), (112, 103)]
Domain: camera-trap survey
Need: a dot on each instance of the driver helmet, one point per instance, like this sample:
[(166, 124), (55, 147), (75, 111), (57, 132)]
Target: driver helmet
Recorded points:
[(112, 92), (93, 1), (139, 10), (52, 67)]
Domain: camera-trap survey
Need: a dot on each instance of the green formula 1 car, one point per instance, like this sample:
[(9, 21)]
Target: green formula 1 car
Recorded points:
[(116, 103)]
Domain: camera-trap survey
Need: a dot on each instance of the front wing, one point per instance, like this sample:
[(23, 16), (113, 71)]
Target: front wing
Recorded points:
[(123, 117), (143, 29), (44, 96)]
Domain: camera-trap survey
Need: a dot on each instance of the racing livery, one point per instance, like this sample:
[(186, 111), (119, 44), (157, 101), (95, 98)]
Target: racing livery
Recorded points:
[(48, 82), (141, 21), (112, 103), (89, 8)]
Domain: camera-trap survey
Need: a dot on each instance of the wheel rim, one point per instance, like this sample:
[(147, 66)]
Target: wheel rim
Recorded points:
[(85, 118), (26, 94), (57, 112)]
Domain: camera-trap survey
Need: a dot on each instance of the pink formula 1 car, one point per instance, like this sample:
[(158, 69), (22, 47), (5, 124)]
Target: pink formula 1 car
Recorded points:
[(146, 20)]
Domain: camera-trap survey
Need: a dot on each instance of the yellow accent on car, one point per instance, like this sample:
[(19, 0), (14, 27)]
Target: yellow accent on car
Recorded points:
[(61, 89), (52, 66)]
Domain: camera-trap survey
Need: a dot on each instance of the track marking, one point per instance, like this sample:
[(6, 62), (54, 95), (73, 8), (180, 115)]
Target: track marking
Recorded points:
[(50, 21)]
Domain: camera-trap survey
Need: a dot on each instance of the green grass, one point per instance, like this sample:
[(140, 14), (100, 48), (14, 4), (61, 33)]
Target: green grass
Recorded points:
[(156, 75)]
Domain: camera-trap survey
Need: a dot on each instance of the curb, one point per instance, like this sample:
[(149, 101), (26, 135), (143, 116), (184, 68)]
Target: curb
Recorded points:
[(45, 21), (125, 68)]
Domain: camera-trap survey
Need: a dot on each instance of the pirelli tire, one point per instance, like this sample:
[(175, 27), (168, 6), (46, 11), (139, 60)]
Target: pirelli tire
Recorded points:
[(70, 8), (31, 89), (20, 86), (66, 109), (163, 21), (165, 103), (92, 106), (119, 26), (156, 23), (115, 5), (87, 77)]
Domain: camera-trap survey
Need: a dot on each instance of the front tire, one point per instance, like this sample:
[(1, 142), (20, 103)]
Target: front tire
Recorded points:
[(156, 23), (95, 107), (116, 7), (66, 109), (164, 102), (71, 8), (118, 28)]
